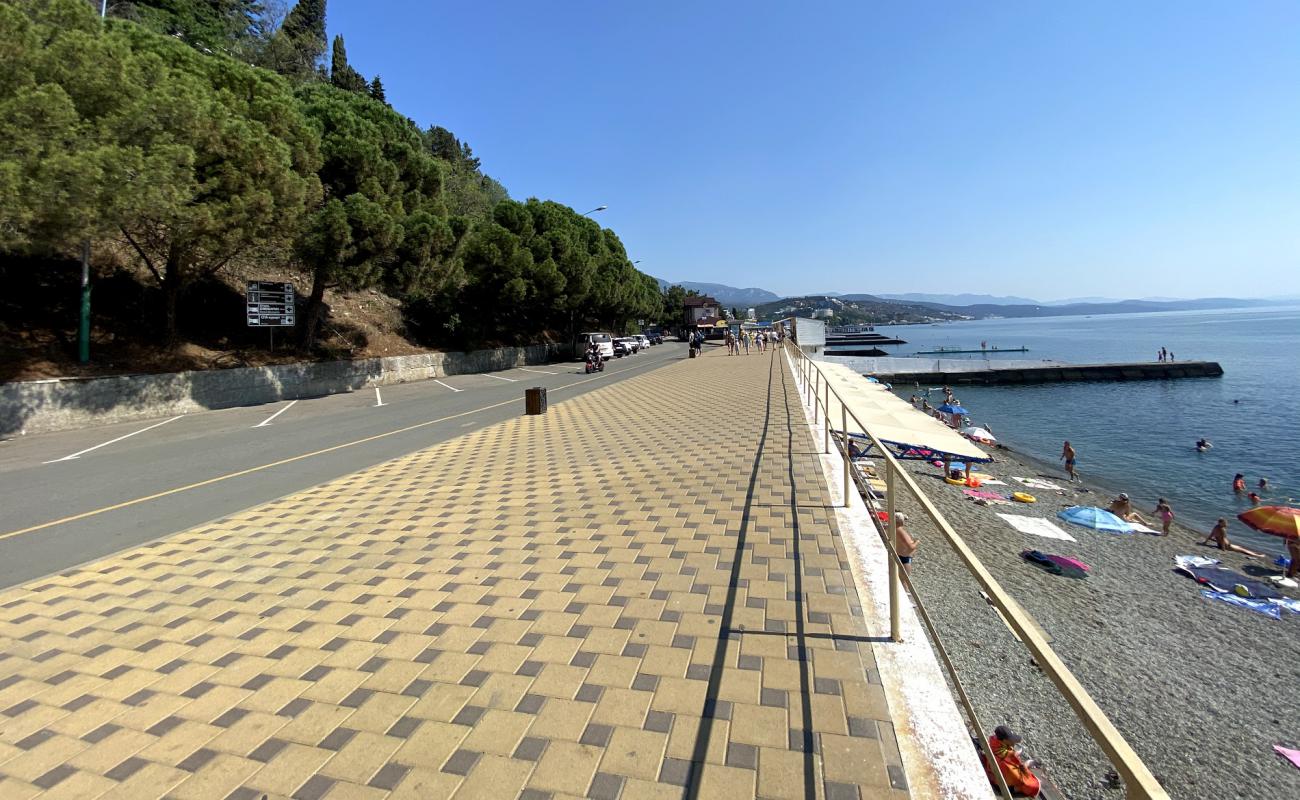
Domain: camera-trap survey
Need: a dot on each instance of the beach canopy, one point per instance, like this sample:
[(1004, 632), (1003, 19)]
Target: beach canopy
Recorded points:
[(949, 408), (906, 431), (1099, 519), (1281, 521)]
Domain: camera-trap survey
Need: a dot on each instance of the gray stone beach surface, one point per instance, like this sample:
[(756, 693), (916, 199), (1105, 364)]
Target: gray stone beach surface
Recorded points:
[(1202, 690)]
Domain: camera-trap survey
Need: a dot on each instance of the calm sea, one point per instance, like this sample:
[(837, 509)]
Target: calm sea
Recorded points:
[(1141, 436)]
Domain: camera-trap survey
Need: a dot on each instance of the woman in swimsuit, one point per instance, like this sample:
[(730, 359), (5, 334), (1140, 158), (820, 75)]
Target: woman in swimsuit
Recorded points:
[(1220, 537)]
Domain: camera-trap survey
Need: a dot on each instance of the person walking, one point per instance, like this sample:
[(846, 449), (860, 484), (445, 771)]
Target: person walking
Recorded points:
[(1068, 454), (744, 337), (906, 544), (1165, 513)]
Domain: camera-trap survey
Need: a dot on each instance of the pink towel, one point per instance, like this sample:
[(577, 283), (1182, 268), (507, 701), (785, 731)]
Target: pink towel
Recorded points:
[(983, 495), (1290, 755)]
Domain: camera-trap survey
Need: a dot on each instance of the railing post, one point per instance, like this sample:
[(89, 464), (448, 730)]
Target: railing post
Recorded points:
[(844, 431), (826, 415), (816, 396), (895, 626)]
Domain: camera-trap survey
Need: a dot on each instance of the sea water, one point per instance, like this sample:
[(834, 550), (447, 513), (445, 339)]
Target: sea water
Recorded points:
[(1140, 436)]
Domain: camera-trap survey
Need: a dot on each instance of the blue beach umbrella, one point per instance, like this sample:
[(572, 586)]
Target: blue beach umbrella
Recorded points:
[(949, 408), (1099, 519)]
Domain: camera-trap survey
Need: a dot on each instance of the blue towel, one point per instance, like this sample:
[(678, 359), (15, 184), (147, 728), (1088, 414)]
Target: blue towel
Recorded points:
[(1258, 606)]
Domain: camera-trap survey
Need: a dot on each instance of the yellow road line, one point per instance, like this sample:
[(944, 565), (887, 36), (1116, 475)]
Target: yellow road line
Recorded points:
[(281, 462)]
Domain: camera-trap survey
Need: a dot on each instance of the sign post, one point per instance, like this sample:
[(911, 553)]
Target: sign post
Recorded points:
[(269, 304)]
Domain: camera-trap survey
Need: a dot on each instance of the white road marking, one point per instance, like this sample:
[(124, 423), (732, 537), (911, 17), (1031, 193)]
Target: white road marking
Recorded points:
[(498, 377), (538, 371), (453, 388), (267, 421), (113, 441), (379, 400)]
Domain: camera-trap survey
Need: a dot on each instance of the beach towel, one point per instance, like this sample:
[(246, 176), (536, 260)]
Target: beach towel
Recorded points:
[(983, 495), (1286, 603), (1222, 579), (991, 481), (1290, 755), (1258, 606), (1195, 561), (1057, 565), (1140, 528), (1036, 483), (1036, 526)]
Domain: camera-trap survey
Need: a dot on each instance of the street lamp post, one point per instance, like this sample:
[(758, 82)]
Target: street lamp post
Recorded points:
[(594, 210), (83, 317)]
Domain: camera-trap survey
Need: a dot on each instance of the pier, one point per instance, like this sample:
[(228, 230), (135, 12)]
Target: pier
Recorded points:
[(966, 372)]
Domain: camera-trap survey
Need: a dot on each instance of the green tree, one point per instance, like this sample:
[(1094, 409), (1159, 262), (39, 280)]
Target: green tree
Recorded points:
[(342, 74), (377, 90), (380, 187), (225, 26), (297, 49)]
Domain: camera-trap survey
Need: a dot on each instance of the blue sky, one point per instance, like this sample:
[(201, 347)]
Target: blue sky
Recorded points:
[(1035, 148)]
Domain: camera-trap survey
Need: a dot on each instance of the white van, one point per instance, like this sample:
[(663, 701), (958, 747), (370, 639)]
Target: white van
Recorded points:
[(603, 341)]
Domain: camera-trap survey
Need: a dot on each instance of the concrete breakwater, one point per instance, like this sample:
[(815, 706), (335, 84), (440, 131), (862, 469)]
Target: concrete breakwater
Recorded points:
[(64, 404), (994, 374)]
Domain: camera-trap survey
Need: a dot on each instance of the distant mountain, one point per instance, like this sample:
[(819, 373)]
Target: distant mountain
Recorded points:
[(726, 295), (1074, 301), (956, 299), (856, 309), (984, 310)]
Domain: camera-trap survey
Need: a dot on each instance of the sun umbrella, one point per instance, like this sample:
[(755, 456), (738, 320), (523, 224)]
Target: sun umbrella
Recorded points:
[(978, 433), (1099, 519), (949, 408), (1281, 521)]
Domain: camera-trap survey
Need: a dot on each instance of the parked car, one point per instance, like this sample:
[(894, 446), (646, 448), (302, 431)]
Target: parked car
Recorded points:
[(626, 346), (644, 341), (603, 341)]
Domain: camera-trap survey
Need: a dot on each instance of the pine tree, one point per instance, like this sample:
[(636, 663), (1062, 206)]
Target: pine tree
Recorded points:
[(377, 90), (342, 74), (298, 49)]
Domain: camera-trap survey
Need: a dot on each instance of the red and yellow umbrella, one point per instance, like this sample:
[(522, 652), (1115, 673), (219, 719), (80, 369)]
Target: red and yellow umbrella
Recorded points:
[(1281, 521)]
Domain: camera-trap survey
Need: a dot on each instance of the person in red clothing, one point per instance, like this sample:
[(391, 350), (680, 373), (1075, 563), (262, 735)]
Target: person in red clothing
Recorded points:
[(1015, 770)]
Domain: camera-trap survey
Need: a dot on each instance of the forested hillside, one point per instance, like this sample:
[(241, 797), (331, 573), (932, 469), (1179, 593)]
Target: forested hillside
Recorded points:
[(191, 144)]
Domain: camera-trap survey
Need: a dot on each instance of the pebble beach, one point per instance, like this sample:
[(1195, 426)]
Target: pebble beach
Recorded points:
[(1201, 690)]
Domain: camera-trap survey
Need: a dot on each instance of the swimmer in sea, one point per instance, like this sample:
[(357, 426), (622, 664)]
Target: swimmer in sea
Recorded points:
[(1202, 445), (1238, 483), (1220, 537)]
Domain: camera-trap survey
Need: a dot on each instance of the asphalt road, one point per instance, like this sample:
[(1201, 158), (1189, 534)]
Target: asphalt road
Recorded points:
[(75, 496)]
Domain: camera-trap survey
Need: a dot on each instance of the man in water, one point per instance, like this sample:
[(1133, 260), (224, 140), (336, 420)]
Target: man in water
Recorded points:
[(1220, 537), (1067, 453), (1203, 444)]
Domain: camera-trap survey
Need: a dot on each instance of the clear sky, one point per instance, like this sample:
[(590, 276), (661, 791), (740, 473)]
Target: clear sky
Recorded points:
[(1044, 149)]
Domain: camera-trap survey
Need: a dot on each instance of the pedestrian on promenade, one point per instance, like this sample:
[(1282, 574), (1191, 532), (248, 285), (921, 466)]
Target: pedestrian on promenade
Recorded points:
[(906, 544), (1220, 537), (1067, 453), (1165, 513), (731, 343), (744, 337)]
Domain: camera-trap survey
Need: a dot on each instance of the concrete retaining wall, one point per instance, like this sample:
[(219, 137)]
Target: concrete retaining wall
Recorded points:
[(63, 404), (1143, 371)]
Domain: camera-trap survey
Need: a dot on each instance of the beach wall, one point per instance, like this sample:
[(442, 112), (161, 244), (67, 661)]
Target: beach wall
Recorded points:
[(67, 403)]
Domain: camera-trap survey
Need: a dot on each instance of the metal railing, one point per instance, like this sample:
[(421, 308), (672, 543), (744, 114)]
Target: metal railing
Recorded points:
[(1139, 783)]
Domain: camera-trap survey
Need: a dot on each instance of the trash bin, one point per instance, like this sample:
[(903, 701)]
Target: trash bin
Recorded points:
[(535, 400)]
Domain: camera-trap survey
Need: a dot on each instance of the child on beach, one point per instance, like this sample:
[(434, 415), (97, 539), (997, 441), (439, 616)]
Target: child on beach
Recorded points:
[(1165, 514), (1220, 537)]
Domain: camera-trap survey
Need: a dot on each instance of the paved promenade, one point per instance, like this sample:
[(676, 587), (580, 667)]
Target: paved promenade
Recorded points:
[(640, 594)]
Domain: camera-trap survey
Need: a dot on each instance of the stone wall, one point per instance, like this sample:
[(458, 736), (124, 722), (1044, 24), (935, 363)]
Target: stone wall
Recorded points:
[(63, 404)]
